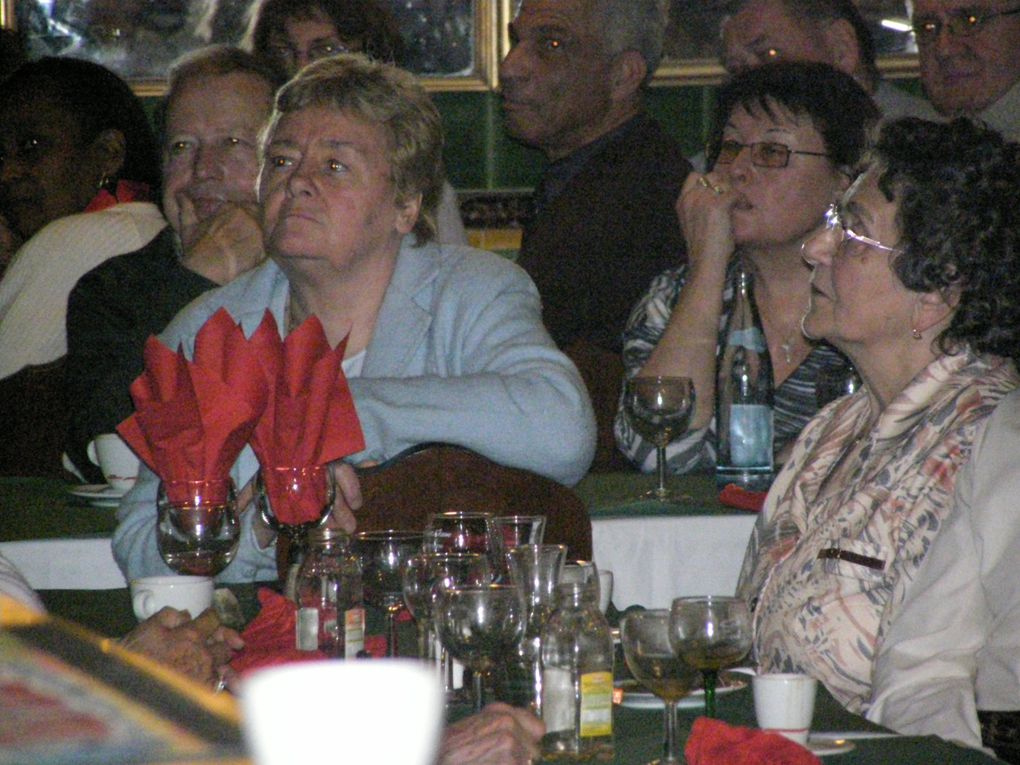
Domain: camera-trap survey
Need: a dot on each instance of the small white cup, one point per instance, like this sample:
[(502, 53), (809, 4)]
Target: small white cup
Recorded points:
[(185, 593), (326, 711), (785, 704), (115, 458), (605, 589)]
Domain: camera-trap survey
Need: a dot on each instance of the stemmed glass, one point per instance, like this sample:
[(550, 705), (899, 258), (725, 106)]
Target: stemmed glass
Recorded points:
[(509, 531), (197, 528), (293, 491), (651, 658), (458, 531), (711, 632), (425, 575), (383, 557), (536, 570), (480, 625), (660, 409)]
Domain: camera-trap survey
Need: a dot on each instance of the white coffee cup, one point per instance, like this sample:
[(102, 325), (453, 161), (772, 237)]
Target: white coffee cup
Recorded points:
[(149, 594), (785, 704), (115, 458), (384, 710), (605, 589)]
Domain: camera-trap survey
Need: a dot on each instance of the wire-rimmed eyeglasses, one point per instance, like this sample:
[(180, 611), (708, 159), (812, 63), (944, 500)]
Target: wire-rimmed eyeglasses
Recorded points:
[(834, 223), (763, 153), (961, 22)]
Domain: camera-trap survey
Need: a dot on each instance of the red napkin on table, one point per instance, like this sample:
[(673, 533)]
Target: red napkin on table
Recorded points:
[(713, 742), (193, 418), (269, 638), (742, 499), (309, 417)]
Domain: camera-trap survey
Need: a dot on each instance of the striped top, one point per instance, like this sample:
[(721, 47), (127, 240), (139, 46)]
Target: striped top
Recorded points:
[(794, 401)]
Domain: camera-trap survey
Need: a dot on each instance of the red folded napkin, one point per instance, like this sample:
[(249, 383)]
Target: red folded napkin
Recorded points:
[(742, 499), (713, 742), (193, 417), (269, 638), (309, 418)]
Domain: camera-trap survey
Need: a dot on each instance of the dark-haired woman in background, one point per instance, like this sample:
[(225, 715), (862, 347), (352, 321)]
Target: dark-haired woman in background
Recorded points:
[(78, 166), (916, 278), (786, 138), (289, 34)]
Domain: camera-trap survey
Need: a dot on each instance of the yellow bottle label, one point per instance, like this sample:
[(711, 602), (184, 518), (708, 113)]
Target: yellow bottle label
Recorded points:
[(354, 632), (596, 704)]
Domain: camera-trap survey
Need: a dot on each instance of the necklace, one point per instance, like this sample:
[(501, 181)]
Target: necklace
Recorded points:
[(787, 345)]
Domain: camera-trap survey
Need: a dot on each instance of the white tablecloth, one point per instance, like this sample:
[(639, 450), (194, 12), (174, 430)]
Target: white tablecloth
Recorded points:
[(657, 558), (66, 564)]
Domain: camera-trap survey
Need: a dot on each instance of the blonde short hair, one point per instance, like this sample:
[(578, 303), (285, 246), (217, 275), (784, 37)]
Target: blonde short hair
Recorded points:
[(383, 95)]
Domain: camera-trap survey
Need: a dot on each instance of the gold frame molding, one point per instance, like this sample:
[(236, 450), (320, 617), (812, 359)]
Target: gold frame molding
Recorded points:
[(675, 72), (482, 78)]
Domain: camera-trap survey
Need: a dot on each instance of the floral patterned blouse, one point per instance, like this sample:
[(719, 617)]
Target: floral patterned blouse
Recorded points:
[(827, 566)]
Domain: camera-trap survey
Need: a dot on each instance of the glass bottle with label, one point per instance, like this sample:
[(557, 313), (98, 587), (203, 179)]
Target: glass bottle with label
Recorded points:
[(577, 677), (329, 595), (743, 417)]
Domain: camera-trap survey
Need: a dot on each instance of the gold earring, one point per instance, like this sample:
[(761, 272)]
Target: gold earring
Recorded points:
[(915, 333)]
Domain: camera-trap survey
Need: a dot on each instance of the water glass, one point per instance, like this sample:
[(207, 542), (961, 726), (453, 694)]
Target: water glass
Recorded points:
[(197, 528)]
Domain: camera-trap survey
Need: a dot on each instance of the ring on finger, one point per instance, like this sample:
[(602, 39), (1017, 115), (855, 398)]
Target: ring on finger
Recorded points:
[(717, 190)]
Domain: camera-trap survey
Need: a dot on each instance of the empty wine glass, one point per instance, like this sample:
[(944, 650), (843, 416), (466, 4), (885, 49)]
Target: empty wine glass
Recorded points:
[(458, 531), (509, 531), (659, 408), (651, 658), (197, 528), (536, 570), (383, 557), (425, 574), (711, 632), (480, 625)]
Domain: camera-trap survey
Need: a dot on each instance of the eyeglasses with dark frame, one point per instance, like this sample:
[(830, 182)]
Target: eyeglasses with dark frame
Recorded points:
[(763, 153), (961, 22), (834, 223)]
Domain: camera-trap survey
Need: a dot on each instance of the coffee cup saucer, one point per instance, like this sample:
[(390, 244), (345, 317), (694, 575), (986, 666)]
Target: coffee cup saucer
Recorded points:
[(100, 494)]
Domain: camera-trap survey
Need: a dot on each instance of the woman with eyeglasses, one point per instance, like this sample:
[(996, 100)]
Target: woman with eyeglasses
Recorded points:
[(289, 34), (914, 276), (785, 139)]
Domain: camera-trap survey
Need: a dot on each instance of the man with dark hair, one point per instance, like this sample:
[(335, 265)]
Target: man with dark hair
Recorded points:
[(216, 104), (604, 223), (833, 32), (970, 59)]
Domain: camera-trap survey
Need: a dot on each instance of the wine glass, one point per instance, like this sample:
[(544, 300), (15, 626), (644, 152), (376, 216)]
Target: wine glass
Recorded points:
[(834, 381), (425, 576), (480, 625), (509, 531), (283, 495), (711, 632), (458, 531), (536, 570), (383, 556), (651, 658), (197, 528), (659, 409)]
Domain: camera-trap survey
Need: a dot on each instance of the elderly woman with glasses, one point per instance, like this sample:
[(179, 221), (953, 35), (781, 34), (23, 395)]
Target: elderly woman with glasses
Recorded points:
[(786, 137), (914, 276)]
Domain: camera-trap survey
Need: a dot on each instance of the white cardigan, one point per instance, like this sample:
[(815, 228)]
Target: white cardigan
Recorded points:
[(954, 646)]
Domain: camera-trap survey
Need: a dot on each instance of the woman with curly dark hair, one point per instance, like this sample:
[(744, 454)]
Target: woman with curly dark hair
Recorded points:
[(915, 276)]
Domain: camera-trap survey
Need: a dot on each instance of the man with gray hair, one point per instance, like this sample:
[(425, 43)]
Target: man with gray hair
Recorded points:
[(604, 222), (833, 32), (217, 102)]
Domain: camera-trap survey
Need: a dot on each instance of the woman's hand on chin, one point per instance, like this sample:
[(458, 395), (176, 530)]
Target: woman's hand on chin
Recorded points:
[(703, 209)]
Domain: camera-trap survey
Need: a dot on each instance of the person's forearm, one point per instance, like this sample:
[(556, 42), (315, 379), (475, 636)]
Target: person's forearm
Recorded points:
[(687, 347)]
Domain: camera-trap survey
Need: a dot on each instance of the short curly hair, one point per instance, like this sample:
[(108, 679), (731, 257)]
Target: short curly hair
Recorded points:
[(957, 185)]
